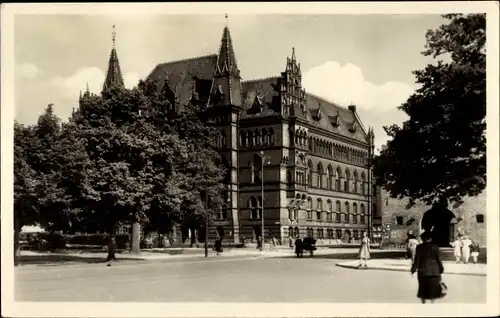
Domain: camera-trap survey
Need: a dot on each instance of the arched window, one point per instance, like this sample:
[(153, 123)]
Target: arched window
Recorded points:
[(329, 179), (320, 205), (271, 136), (347, 180), (257, 138), (356, 181), (251, 141), (363, 183), (309, 173), (319, 210), (329, 206), (252, 205), (223, 139), (362, 216), (346, 215), (288, 177), (320, 176), (256, 168), (309, 203), (338, 212), (338, 179), (243, 139), (320, 233), (265, 137), (355, 213), (311, 142), (290, 233)]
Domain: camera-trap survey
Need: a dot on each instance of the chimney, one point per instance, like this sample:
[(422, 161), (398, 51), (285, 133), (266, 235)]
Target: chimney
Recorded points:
[(352, 108)]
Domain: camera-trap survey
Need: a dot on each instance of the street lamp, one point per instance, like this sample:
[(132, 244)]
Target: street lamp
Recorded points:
[(206, 223), (261, 154)]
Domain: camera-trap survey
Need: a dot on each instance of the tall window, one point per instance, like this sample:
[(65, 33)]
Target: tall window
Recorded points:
[(256, 169), (270, 137), (346, 215), (252, 205), (356, 180), (243, 139), (309, 173), (265, 137), (329, 180), (320, 175), (362, 216), (355, 213), (347, 180), (338, 177), (250, 139), (259, 207), (338, 233), (257, 138), (338, 212), (363, 183), (223, 139)]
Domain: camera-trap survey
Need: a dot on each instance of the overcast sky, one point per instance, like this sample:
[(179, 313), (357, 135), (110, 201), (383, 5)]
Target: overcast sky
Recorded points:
[(367, 60)]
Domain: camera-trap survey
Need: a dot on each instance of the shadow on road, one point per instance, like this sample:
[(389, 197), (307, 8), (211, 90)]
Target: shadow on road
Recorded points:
[(61, 259), (377, 255)]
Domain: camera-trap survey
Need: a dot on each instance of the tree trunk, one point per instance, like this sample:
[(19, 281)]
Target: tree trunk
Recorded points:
[(135, 246), (17, 231), (112, 242)]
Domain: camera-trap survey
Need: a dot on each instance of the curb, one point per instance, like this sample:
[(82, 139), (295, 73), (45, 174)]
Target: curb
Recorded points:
[(403, 270)]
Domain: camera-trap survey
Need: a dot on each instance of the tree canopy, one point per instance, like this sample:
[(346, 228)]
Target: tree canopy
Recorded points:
[(439, 153)]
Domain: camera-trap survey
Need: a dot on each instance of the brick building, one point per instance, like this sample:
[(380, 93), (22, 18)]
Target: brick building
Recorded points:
[(313, 171)]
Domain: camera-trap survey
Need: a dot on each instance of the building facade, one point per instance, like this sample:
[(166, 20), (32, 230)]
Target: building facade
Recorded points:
[(296, 160), (393, 219)]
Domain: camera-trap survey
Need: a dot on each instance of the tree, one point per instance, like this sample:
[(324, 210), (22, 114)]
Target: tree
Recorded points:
[(439, 154)]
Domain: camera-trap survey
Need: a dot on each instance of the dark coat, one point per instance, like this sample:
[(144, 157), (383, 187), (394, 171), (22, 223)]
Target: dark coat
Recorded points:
[(298, 246), (427, 261)]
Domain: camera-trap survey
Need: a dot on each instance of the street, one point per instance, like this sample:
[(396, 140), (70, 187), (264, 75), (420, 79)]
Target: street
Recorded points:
[(279, 279)]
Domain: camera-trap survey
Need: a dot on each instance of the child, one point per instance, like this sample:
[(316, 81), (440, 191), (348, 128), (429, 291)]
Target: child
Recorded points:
[(457, 245), (474, 251), (364, 251)]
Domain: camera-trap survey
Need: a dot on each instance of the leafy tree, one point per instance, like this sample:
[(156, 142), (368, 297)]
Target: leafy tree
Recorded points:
[(439, 154)]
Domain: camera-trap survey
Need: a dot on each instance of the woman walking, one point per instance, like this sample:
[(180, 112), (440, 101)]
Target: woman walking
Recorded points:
[(457, 249), (429, 268), (364, 251)]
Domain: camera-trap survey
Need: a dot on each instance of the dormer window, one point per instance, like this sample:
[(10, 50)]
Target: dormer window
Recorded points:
[(353, 127), (316, 113)]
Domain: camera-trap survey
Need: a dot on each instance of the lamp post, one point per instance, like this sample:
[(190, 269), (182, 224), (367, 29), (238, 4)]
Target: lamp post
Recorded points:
[(261, 154), (206, 224)]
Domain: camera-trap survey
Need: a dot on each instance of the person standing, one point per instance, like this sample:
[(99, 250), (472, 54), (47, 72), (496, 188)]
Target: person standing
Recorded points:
[(474, 251), (429, 268), (412, 247), (259, 243), (466, 245), (218, 245), (298, 247), (457, 249), (364, 251)]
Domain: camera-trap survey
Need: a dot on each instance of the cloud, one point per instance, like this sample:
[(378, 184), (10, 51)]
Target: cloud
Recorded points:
[(345, 84), (92, 76), (28, 70)]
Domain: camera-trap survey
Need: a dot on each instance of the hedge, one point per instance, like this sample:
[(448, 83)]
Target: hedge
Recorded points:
[(59, 241)]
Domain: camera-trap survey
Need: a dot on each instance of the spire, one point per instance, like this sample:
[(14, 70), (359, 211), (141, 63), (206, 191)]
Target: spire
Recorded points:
[(114, 74), (226, 86), (226, 61), (293, 54)]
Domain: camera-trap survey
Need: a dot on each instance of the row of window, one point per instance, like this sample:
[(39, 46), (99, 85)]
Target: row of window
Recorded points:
[(257, 137), (331, 234), (327, 148)]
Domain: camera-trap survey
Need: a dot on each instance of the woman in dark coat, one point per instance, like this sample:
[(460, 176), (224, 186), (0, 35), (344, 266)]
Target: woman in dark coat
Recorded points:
[(218, 245), (299, 249), (429, 268)]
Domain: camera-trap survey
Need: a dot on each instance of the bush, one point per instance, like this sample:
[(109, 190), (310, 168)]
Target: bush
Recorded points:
[(99, 239), (53, 241)]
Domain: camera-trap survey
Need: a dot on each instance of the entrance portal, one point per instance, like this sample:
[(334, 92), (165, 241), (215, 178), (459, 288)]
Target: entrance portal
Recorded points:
[(439, 222)]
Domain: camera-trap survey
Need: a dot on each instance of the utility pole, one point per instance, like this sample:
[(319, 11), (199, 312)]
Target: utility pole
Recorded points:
[(206, 223)]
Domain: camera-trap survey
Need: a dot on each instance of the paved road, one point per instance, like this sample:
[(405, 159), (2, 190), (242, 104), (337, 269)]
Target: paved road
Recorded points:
[(233, 280)]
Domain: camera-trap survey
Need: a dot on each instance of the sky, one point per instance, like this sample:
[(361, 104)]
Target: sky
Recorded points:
[(365, 60)]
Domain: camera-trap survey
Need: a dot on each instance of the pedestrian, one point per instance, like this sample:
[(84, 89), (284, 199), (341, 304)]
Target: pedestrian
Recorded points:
[(474, 251), (218, 245), (429, 268), (259, 243), (457, 249), (364, 251), (299, 249), (466, 245), (412, 247)]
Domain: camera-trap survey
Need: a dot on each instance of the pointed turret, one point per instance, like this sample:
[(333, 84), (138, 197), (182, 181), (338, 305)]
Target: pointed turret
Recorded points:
[(227, 81), (114, 74)]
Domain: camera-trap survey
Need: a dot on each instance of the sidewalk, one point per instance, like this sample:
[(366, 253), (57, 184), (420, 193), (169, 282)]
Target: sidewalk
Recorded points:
[(404, 265)]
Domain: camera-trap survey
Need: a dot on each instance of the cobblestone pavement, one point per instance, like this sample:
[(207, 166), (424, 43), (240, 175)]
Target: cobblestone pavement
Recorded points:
[(283, 279)]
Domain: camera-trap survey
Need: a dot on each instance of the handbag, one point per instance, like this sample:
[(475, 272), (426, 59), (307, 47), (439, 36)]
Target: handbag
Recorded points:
[(443, 289)]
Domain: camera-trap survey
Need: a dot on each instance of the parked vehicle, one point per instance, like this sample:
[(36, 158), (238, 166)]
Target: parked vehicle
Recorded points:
[(309, 244)]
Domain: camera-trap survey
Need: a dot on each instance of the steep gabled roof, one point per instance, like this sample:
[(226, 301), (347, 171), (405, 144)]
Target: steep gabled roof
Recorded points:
[(267, 90)]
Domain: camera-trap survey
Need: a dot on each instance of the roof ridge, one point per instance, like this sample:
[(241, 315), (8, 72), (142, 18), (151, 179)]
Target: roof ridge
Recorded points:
[(261, 79), (190, 58), (325, 100)]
